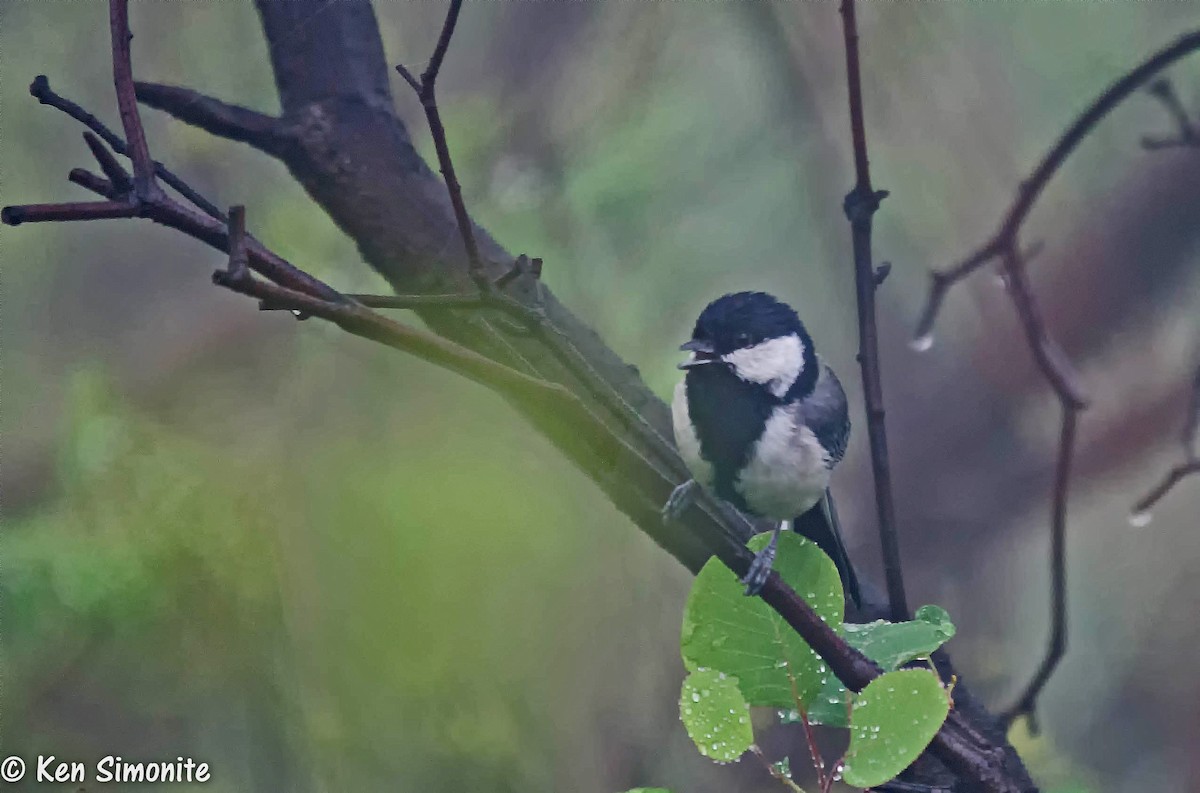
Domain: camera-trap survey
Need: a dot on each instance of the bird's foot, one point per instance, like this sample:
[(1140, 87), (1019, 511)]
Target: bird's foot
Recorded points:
[(760, 568), (680, 499)]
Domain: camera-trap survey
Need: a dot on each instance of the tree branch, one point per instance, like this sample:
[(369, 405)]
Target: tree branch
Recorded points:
[(264, 132), (1057, 645), (139, 151), (40, 90), (1051, 360), (425, 87), (860, 205), (1189, 131), (1190, 440), (1031, 189)]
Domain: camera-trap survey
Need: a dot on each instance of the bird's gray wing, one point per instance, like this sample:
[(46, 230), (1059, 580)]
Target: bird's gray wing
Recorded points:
[(826, 412)]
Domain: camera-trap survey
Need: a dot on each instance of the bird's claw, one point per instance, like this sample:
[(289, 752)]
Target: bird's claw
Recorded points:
[(760, 569), (680, 499)]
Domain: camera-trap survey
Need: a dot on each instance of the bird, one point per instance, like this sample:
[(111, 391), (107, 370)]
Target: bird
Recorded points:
[(760, 421)]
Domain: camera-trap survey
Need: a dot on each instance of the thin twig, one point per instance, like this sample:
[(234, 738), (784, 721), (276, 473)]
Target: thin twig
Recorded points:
[(238, 268), (135, 133), (1049, 356), (1026, 703), (563, 350), (823, 780), (860, 205), (118, 178), (1189, 131), (40, 90), (814, 752), (90, 181), (1031, 189), (1190, 440), (425, 87)]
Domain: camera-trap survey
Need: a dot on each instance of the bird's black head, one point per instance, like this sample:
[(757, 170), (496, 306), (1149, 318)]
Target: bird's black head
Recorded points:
[(760, 339)]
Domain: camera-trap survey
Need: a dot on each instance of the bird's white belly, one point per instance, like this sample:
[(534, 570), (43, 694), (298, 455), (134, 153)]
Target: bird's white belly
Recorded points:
[(788, 470)]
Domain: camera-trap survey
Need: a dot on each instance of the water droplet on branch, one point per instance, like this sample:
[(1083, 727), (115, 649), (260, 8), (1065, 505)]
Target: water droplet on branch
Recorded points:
[(1140, 520)]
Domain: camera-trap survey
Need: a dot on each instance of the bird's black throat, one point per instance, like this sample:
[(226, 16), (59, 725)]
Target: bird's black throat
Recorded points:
[(729, 415)]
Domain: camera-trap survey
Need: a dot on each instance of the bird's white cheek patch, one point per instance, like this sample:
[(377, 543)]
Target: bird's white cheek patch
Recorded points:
[(686, 440), (775, 363)]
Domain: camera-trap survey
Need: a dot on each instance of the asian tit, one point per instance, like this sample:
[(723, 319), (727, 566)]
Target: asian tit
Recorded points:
[(761, 422)]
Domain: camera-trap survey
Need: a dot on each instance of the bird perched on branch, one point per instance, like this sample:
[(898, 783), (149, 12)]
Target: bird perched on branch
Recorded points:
[(761, 423)]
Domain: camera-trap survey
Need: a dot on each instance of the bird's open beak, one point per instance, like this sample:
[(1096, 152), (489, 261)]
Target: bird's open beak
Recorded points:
[(702, 353)]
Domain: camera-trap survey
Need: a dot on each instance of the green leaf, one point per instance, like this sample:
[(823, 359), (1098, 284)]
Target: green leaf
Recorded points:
[(829, 706), (716, 715), (894, 719), (893, 644), (743, 637)]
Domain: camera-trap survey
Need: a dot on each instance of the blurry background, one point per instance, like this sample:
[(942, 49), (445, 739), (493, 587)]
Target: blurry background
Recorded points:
[(319, 565)]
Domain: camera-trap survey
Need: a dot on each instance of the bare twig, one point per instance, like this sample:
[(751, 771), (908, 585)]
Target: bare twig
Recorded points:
[(1189, 131), (861, 204), (814, 752), (90, 181), (1051, 360), (118, 179), (1190, 440), (238, 269), (425, 86), (1057, 645), (139, 150), (40, 90), (1031, 189)]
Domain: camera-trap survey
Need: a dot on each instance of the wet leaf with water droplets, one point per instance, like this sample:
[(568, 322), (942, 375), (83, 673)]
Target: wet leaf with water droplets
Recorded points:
[(893, 726), (742, 636), (893, 644), (719, 724), (829, 707)]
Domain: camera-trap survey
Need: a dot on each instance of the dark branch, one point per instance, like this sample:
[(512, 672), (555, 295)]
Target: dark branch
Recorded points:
[(1051, 360), (40, 90), (1031, 189), (1057, 644), (1190, 440), (90, 181), (860, 205), (263, 132), (1189, 131), (426, 92), (82, 210), (139, 150), (238, 269), (119, 180)]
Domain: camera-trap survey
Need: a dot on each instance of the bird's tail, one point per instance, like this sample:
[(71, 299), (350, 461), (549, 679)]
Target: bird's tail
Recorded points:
[(820, 524)]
